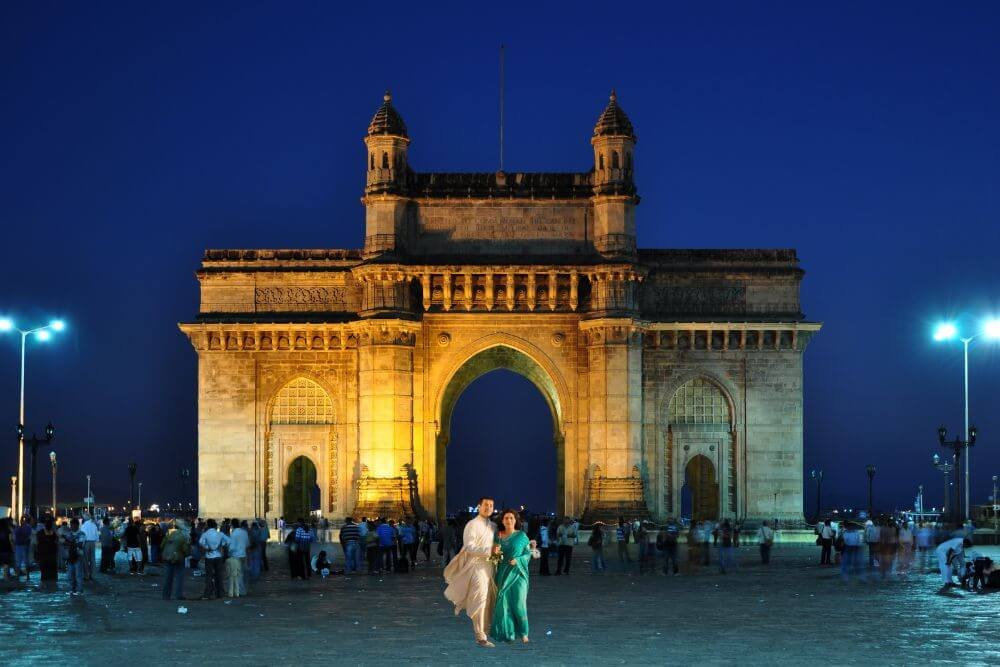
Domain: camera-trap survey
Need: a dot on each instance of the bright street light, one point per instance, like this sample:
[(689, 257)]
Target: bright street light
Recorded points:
[(41, 334), (945, 331), (992, 328), (949, 331)]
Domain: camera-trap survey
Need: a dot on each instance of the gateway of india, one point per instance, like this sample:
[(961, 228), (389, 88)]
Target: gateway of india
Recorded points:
[(327, 377)]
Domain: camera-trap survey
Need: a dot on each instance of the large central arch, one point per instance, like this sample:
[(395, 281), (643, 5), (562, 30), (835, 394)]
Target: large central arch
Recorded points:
[(489, 356)]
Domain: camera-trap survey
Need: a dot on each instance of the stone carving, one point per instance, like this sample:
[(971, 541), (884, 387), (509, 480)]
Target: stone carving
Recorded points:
[(443, 339), (302, 298), (724, 298), (558, 339)]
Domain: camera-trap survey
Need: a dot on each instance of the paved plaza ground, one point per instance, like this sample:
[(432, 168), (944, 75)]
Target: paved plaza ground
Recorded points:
[(790, 613)]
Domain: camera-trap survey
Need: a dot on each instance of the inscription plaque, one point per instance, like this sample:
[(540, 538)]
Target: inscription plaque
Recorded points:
[(728, 299), (525, 229)]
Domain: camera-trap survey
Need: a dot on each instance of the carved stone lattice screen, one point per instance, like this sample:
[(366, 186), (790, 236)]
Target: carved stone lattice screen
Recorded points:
[(699, 406), (302, 401), (699, 402)]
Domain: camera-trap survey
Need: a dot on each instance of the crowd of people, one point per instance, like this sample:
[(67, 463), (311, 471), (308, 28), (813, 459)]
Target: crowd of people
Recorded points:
[(654, 543), (232, 553), (897, 548)]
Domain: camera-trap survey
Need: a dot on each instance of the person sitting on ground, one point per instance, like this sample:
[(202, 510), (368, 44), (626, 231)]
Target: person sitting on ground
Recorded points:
[(320, 564)]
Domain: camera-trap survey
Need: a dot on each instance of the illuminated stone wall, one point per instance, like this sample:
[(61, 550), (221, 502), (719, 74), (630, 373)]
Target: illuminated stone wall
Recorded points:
[(539, 273)]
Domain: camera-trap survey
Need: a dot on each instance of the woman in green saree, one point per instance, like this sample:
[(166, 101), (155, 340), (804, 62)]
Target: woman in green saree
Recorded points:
[(510, 616)]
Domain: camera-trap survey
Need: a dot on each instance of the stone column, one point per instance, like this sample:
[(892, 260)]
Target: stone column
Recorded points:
[(385, 414), (489, 291), (615, 391), (574, 282), (614, 377), (226, 435), (467, 289), (425, 285), (446, 290)]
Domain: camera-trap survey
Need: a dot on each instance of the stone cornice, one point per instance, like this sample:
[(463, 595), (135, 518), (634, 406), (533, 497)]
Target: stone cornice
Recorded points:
[(710, 336), (725, 336), (298, 337), (731, 326)]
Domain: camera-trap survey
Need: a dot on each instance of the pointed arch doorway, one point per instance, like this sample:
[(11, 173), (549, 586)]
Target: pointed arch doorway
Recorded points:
[(701, 487), (301, 492), (510, 458), (499, 356), (301, 445), (701, 451)]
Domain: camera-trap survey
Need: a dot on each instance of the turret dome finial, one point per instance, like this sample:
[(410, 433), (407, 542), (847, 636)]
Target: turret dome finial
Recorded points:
[(613, 121), (387, 120)]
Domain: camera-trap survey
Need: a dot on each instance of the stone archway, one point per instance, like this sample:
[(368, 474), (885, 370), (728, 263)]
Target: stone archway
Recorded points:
[(700, 481), (300, 493), (301, 424), (701, 423), (497, 356)]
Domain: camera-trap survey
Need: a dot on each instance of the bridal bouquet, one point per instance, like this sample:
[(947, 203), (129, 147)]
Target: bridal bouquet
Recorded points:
[(496, 558)]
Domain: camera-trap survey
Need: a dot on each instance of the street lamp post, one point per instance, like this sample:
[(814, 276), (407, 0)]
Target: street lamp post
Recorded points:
[(185, 476), (996, 506), (90, 503), (131, 484), (140, 496), (52, 458), (949, 331), (870, 469), (50, 432), (41, 334), (13, 494), (818, 476), (945, 468), (956, 446)]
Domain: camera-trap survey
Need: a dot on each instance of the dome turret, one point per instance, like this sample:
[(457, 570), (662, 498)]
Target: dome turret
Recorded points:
[(613, 121), (387, 120)]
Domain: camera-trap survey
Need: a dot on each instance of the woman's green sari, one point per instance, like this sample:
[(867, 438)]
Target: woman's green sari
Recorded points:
[(510, 616)]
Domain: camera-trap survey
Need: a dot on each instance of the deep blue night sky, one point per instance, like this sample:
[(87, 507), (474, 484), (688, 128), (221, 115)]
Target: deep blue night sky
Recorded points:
[(866, 136)]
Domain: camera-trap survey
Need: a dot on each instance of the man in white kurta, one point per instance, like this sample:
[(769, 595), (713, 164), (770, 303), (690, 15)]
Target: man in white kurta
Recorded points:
[(948, 553), (470, 574)]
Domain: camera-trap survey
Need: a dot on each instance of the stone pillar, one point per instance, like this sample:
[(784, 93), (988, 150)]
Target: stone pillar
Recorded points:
[(226, 434), (774, 435), (446, 291), (489, 291), (385, 415), (614, 377), (574, 286)]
